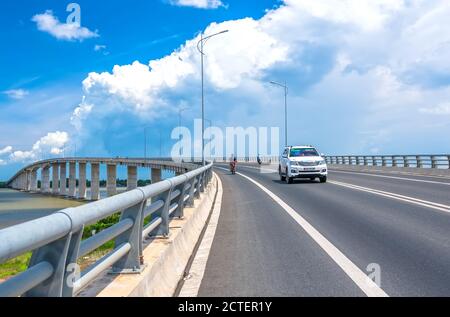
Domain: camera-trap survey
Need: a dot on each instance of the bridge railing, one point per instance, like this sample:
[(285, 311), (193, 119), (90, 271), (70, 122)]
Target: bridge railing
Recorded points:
[(413, 161), (56, 240)]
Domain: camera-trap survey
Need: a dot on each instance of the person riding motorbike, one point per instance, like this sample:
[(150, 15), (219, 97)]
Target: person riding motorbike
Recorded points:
[(233, 165), (259, 160)]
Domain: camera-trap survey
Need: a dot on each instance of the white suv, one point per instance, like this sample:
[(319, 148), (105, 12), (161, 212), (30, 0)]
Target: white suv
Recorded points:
[(302, 162)]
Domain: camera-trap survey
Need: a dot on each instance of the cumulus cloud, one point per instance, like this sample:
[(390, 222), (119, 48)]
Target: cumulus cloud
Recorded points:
[(365, 65), (6, 150), (16, 93), (47, 22), (52, 144), (201, 4), (441, 109)]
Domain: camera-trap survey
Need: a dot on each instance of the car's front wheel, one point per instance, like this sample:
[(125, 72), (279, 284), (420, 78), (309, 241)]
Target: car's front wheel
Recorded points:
[(289, 180), (282, 178), (323, 179)]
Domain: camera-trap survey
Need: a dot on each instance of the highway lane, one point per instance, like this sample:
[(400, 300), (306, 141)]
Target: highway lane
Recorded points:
[(426, 188), (410, 243), (258, 250)]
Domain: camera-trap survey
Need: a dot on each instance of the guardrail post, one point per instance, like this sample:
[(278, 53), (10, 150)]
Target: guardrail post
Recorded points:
[(190, 201), (366, 162), (419, 161), (163, 229), (202, 183), (394, 161), (131, 263), (434, 161), (72, 269), (405, 161), (383, 161), (179, 212), (448, 162), (54, 253)]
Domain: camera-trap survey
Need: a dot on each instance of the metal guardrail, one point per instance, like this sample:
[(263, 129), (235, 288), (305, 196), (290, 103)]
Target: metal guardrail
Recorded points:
[(412, 161), (56, 240), (435, 161)]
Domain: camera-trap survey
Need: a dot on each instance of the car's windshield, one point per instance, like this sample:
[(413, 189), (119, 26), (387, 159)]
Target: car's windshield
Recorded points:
[(299, 152)]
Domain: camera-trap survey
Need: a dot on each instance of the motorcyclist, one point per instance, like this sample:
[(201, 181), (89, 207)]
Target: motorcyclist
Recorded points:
[(233, 164)]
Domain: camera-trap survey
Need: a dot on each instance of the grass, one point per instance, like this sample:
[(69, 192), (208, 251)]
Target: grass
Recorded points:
[(14, 266)]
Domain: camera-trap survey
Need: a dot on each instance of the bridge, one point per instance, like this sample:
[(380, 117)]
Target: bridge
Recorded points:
[(379, 227)]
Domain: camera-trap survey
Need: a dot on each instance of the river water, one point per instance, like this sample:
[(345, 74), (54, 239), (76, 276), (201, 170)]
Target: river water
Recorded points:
[(17, 207)]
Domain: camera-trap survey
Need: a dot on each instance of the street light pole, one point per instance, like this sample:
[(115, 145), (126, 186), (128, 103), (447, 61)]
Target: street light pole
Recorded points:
[(200, 46), (286, 91)]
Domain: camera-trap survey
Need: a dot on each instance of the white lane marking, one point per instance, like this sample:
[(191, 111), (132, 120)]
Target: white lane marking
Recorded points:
[(408, 199), (369, 287), (192, 285), (393, 177), (395, 172)]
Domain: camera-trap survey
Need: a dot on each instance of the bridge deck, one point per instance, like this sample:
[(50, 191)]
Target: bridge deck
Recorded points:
[(260, 250)]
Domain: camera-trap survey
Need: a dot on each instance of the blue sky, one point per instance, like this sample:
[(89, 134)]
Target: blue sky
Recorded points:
[(365, 76)]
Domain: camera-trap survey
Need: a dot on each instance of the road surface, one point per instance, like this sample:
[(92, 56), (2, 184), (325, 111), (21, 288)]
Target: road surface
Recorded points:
[(394, 227)]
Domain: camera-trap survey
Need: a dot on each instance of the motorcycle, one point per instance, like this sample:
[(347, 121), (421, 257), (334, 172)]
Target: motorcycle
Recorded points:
[(233, 168)]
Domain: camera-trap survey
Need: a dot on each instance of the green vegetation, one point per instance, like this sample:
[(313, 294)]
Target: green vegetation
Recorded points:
[(20, 264), (15, 266), (2, 184)]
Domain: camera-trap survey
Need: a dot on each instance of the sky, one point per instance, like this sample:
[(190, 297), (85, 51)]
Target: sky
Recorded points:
[(364, 76)]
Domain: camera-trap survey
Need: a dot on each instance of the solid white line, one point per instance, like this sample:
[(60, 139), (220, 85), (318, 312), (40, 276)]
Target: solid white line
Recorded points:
[(393, 177), (334, 168), (408, 199), (192, 284), (369, 287)]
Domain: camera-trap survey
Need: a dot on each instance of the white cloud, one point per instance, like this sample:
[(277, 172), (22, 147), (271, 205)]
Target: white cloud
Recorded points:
[(6, 150), (98, 47), (441, 109), (16, 93), (361, 63), (2, 162), (201, 4), (51, 144), (47, 22)]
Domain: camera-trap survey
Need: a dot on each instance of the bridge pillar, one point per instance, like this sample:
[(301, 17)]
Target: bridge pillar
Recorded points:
[(26, 181), (45, 179), (72, 179), (95, 181), (132, 177), (33, 181), (55, 178), (111, 180), (82, 180), (156, 175), (63, 179)]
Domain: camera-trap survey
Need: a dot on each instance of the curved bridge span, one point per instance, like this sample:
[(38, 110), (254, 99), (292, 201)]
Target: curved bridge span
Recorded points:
[(54, 179)]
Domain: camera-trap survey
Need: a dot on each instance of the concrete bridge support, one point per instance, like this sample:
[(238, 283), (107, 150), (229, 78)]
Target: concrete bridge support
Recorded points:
[(82, 181), (111, 181), (132, 177), (63, 179), (33, 181), (45, 179), (95, 181), (156, 175), (55, 178), (72, 179), (27, 181)]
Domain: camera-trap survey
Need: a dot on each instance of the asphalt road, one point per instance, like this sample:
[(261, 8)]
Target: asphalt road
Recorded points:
[(259, 250)]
